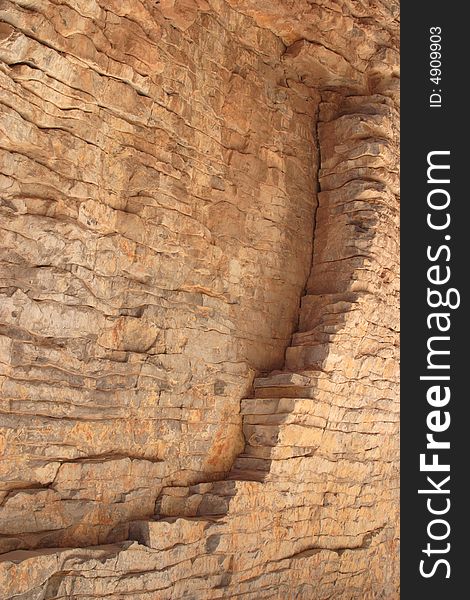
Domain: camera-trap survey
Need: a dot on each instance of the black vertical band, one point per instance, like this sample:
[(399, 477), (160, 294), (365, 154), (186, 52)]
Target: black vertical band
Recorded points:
[(434, 291)]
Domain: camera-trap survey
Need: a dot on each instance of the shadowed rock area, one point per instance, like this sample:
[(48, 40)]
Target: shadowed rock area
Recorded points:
[(199, 299)]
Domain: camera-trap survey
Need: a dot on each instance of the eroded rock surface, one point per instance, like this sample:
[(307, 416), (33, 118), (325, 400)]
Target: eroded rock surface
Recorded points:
[(176, 178)]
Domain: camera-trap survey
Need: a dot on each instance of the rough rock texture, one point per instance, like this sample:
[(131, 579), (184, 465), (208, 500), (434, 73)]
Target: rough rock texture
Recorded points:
[(176, 177)]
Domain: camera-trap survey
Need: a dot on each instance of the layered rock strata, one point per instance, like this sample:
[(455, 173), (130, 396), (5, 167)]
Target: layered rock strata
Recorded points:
[(168, 172)]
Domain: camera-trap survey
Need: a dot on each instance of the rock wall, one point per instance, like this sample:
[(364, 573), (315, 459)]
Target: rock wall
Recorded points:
[(176, 178)]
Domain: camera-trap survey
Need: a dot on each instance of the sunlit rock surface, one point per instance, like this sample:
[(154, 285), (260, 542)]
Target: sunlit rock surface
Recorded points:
[(199, 299)]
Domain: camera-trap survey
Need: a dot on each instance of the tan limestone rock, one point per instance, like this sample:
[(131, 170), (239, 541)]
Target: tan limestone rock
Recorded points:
[(199, 195)]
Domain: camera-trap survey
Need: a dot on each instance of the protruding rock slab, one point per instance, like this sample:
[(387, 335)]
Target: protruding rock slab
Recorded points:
[(288, 385)]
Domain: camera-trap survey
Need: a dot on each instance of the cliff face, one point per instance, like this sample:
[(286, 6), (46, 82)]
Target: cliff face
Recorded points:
[(176, 178)]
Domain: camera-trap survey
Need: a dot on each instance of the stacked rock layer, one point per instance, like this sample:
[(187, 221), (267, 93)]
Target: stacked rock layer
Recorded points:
[(176, 178)]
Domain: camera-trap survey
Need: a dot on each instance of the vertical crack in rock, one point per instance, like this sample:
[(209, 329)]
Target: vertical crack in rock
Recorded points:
[(315, 210)]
